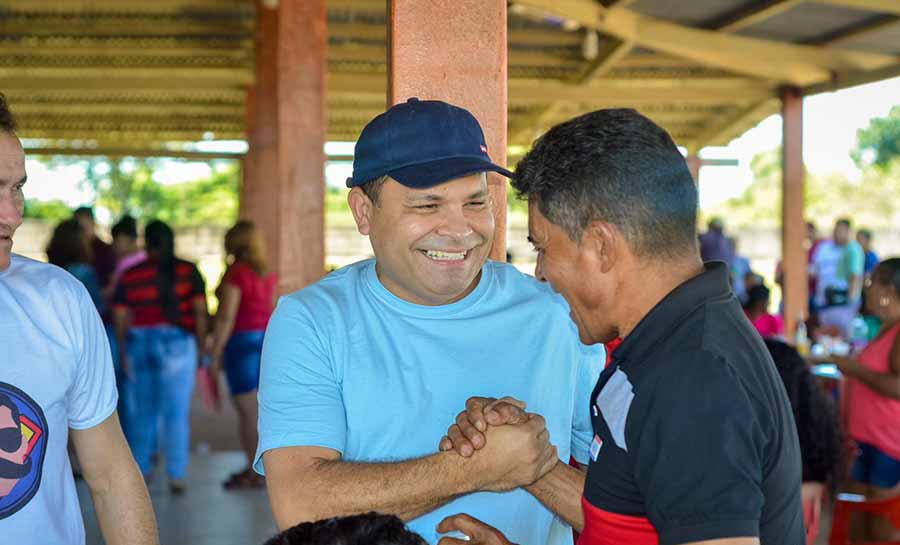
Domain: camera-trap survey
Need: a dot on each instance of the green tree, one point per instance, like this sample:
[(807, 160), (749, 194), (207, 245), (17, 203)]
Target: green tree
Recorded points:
[(54, 210), (879, 143)]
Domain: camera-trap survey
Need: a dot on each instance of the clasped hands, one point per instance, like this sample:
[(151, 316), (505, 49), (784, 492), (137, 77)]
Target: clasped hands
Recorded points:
[(508, 448)]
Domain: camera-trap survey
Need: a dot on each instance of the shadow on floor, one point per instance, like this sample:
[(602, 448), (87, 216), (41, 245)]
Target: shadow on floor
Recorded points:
[(205, 514)]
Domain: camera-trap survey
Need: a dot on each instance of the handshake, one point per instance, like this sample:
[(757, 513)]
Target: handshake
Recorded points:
[(507, 446)]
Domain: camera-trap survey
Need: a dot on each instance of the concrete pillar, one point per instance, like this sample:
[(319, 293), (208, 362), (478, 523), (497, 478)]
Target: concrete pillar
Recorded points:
[(793, 223), (455, 50), (694, 163), (284, 190)]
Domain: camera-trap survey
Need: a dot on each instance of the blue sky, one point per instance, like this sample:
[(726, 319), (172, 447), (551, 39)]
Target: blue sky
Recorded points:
[(830, 122)]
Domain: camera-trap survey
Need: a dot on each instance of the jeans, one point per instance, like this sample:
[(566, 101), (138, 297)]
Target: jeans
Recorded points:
[(163, 367)]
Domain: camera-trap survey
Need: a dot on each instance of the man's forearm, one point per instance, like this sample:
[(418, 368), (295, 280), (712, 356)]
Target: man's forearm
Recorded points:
[(408, 489), (124, 510), (560, 491)]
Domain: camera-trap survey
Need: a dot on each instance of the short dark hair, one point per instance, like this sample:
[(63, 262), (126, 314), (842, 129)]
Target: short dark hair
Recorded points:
[(865, 233), (67, 245), (756, 295), (368, 529), (843, 221), (617, 166), (372, 189), (888, 273), (7, 120), (83, 212), (126, 226)]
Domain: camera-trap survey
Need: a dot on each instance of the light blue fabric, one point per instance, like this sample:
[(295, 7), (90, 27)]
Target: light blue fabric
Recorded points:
[(85, 274), (164, 365), (349, 366)]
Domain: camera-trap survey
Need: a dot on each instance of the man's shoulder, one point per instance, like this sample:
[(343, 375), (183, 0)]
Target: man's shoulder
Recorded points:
[(511, 280), (333, 289), (24, 271)]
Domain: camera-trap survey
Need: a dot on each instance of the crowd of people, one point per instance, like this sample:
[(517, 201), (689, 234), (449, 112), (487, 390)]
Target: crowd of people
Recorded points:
[(634, 390)]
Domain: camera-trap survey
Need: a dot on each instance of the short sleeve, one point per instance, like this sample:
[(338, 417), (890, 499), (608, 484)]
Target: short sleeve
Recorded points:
[(300, 400), (92, 397), (590, 366), (698, 456), (856, 259), (237, 276)]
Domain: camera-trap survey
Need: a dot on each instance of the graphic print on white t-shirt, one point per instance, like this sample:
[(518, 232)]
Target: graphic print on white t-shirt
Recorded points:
[(23, 443)]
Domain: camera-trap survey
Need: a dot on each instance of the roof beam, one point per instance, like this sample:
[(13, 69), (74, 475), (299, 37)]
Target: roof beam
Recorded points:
[(878, 6), (796, 64), (601, 91), (611, 52), (114, 151), (733, 124), (117, 6), (755, 13), (124, 78)]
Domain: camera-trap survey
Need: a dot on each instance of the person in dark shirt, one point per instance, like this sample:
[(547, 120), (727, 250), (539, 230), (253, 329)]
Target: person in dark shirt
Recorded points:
[(695, 440), (160, 314)]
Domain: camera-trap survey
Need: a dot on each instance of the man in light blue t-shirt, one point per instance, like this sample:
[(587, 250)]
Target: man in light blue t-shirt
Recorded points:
[(363, 371)]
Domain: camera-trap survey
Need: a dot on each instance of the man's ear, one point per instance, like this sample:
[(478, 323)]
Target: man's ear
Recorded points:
[(361, 206), (603, 241)]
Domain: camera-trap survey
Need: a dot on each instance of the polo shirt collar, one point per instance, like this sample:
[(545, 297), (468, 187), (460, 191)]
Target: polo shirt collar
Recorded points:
[(712, 284)]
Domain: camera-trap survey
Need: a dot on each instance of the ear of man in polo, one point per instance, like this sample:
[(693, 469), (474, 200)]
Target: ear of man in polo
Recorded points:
[(421, 143)]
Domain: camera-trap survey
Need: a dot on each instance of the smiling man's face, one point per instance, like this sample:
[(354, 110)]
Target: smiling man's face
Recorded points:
[(12, 198), (430, 244)]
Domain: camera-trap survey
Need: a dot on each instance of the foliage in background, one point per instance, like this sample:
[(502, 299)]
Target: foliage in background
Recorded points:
[(127, 186), (879, 143), (873, 200), (54, 210)]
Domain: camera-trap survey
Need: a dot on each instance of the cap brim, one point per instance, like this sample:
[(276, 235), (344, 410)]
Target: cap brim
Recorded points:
[(432, 173)]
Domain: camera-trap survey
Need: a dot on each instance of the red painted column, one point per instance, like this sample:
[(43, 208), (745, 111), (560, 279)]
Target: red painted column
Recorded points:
[(284, 189), (793, 224), (694, 163), (455, 50)]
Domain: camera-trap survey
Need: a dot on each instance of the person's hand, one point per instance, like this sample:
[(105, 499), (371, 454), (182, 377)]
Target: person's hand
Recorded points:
[(813, 493), (513, 455), (846, 365), (479, 533), (466, 435)]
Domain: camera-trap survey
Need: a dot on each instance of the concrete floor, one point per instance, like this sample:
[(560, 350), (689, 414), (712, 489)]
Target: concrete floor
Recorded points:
[(205, 514)]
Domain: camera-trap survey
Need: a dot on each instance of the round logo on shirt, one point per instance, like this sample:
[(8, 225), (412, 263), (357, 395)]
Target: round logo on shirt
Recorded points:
[(23, 443)]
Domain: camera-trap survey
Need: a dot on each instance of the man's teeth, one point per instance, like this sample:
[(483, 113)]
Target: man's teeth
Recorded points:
[(445, 256)]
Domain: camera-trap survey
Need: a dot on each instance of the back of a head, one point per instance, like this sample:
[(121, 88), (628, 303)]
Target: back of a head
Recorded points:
[(888, 273), (7, 120), (159, 238), (615, 166), (126, 226), (757, 297), (366, 529), (244, 243), (84, 212), (67, 245)]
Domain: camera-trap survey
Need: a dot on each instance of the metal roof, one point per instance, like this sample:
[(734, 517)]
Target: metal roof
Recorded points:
[(116, 74)]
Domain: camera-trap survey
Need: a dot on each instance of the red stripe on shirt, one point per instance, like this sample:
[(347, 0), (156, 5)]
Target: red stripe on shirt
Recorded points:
[(606, 528)]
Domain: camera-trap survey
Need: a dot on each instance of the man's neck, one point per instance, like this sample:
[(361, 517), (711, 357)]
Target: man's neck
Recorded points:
[(644, 289)]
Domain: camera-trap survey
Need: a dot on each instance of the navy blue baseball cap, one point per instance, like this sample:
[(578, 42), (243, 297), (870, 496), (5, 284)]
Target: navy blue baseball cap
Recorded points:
[(421, 143)]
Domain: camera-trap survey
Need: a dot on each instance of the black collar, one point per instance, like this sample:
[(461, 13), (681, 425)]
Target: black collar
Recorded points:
[(712, 284)]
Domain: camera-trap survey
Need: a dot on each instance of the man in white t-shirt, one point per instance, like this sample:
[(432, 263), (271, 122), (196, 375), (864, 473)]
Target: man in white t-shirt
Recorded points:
[(56, 383), (838, 266)]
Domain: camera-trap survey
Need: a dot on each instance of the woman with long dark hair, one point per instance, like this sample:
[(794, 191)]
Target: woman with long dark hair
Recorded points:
[(160, 313), (246, 299), (68, 249)]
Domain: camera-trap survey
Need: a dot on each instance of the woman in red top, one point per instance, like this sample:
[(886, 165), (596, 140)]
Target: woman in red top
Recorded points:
[(873, 397), (246, 299)]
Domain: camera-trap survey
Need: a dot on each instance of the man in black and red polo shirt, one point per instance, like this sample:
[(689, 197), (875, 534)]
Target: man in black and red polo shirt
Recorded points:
[(694, 437)]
